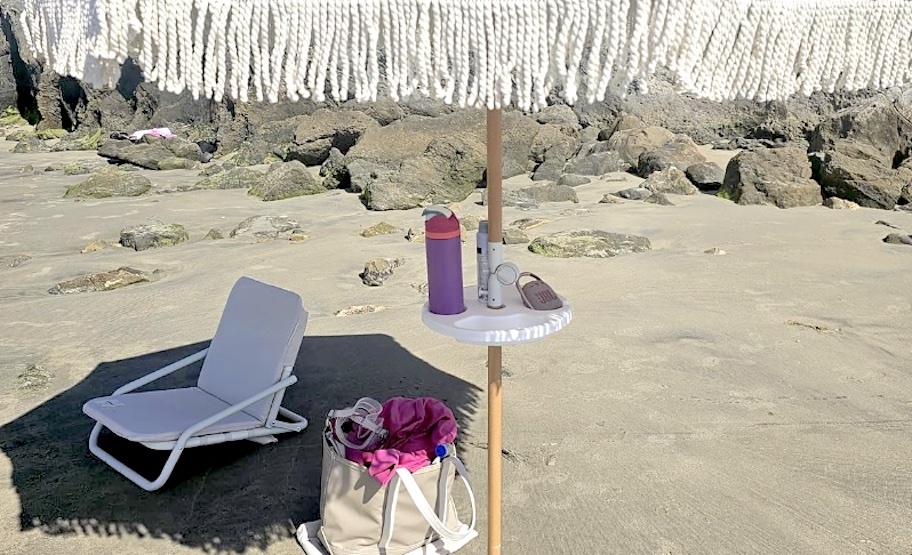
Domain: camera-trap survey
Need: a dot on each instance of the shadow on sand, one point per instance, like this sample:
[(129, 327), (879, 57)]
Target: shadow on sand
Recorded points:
[(228, 497)]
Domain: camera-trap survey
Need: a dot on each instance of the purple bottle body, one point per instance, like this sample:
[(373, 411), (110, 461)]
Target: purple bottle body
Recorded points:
[(443, 248)]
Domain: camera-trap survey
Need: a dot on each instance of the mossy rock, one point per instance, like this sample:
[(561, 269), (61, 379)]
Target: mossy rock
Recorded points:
[(10, 117), (588, 243), (47, 134), (110, 183)]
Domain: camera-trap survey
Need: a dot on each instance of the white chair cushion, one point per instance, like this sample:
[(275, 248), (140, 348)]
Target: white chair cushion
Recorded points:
[(259, 333), (163, 415)]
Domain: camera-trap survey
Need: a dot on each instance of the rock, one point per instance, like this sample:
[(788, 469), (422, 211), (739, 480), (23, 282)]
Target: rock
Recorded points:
[(530, 197), (715, 251), (79, 141), (631, 143), (152, 154), (590, 135), (324, 130), (378, 270), (414, 235), (550, 170), (83, 167), (10, 116), (419, 161), (236, 178), (13, 260), (102, 281), (551, 143), (514, 237), (905, 196), (254, 153), (594, 160), (49, 134), (680, 153), (33, 379), (671, 180), (333, 171), (110, 183), (658, 198), (570, 180), (147, 236), (298, 236), (634, 193), (877, 123), (857, 172), (470, 222), (213, 235), (837, 203), (707, 176), (381, 228), (360, 309), (33, 144), (97, 245), (561, 116), (28, 169), (175, 163), (211, 170), (286, 180), (898, 239), (383, 110), (526, 224), (609, 199), (588, 243), (265, 228), (779, 176)]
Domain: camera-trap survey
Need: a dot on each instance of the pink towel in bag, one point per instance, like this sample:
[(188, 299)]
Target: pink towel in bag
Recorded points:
[(416, 427)]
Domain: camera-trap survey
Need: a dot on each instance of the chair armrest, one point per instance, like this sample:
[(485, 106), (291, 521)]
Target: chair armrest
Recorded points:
[(149, 378), (238, 407)]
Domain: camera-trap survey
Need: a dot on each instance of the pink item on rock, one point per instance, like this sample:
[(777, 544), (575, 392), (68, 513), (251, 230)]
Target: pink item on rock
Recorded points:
[(415, 428)]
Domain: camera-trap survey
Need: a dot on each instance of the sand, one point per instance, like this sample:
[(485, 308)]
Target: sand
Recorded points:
[(758, 401)]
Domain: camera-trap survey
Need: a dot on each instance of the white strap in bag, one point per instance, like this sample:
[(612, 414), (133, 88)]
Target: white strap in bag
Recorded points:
[(366, 414), (435, 519)]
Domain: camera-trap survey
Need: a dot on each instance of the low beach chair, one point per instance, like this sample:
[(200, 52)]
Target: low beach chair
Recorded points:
[(246, 369)]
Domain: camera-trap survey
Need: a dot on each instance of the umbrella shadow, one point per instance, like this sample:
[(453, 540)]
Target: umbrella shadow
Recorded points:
[(223, 498)]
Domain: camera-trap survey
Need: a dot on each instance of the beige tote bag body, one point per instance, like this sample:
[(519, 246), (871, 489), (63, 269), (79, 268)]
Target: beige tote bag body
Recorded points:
[(362, 517)]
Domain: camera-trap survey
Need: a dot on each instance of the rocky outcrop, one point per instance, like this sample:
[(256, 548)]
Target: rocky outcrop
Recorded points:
[(778, 176), (154, 153), (858, 172), (104, 281), (149, 236)]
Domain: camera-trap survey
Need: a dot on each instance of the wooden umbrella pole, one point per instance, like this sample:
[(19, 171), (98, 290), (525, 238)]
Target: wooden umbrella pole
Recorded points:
[(495, 354)]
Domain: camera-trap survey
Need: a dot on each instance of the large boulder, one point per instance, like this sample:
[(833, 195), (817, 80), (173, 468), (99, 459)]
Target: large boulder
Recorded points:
[(672, 181), (779, 176), (680, 153), (153, 153), (859, 172), (324, 130), (235, 178), (418, 161), (596, 158), (881, 122), (110, 183), (707, 176), (551, 148), (631, 143), (286, 180)]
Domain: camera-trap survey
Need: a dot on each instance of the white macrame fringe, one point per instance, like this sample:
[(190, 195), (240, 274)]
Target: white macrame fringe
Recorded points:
[(479, 53)]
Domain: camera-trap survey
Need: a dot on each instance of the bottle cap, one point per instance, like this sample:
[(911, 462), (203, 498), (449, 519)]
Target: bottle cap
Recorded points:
[(440, 223)]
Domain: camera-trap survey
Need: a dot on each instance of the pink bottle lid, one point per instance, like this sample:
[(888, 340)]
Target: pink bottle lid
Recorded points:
[(440, 223)]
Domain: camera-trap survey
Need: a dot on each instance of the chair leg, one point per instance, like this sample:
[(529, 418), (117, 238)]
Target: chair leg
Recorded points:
[(128, 472)]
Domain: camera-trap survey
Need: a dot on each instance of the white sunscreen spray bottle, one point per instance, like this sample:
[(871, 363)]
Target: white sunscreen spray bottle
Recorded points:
[(484, 267)]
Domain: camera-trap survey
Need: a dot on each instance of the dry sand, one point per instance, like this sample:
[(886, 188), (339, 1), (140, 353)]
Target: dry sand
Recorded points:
[(756, 402)]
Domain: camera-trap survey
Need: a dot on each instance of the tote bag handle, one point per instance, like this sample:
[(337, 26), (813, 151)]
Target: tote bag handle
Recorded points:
[(435, 520)]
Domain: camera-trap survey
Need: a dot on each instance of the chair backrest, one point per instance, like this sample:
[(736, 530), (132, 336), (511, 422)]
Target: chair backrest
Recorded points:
[(259, 334)]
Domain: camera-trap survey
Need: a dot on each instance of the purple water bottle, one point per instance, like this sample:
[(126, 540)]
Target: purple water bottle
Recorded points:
[(444, 261)]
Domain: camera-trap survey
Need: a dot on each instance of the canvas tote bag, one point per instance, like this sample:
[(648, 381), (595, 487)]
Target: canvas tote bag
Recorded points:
[(362, 517)]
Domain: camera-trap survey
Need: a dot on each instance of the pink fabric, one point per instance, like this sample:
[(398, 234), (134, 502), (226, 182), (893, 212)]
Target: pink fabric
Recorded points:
[(416, 427)]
